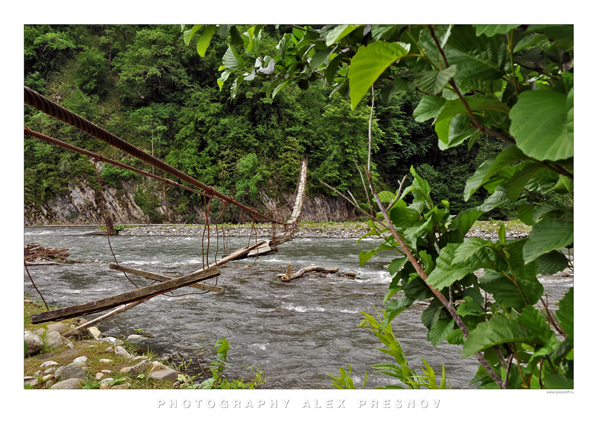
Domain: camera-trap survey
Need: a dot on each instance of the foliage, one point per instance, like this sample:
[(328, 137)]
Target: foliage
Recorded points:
[(513, 83), (218, 366), (400, 370), (143, 84)]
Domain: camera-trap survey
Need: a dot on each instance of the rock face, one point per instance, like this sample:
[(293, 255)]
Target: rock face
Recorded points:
[(80, 205)]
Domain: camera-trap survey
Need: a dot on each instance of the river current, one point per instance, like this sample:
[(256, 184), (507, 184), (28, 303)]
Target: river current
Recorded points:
[(297, 332)]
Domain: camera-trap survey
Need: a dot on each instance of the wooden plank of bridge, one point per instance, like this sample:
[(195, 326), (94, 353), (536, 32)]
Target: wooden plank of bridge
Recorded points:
[(158, 277), (124, 298)]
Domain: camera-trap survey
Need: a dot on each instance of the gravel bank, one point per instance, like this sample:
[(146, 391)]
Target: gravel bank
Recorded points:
[(266, 231)]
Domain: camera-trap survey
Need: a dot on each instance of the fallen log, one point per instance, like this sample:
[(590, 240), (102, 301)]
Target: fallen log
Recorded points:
[(288, 276), (158, 277), (103, 318), (125, 298)]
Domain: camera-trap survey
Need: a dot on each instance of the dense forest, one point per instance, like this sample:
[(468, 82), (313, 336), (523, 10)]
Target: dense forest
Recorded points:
[(145, 85)]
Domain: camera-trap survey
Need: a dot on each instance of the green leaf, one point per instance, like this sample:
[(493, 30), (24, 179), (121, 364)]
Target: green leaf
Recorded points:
[(338, 33), (564, 314), (478, 105), (460, 128), (319, 57), (492, 30), (520, 179), (332, 68), (456, 337), (467, 249), (397, 264), (447, 272), (188, 34), (469, 308), (232, 60), (547, 235), (542, 124), (491, 167), (378, 31), (536, 324), (435, 80), (429, 107), (478, 58), (431, 315), (529, 41), (395, 307), (496, 331), (513, 292), (440, 331), (552, 262), (368, 64), (205, 39), (364, 256), (558, 381)]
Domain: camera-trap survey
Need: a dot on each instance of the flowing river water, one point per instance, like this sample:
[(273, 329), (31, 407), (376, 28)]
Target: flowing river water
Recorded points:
[(297, 332)]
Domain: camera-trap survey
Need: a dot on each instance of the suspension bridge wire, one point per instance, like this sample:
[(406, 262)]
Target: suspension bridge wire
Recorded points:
[(51, 108), (101, 158)]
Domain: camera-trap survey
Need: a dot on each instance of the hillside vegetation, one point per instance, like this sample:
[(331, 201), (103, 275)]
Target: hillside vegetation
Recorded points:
[(143, 84)]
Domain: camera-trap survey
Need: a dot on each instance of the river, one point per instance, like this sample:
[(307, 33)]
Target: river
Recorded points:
[(296, 332)]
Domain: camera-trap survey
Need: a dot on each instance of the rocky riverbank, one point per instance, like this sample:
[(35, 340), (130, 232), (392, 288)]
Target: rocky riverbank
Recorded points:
[(353, 230), (89, 360)]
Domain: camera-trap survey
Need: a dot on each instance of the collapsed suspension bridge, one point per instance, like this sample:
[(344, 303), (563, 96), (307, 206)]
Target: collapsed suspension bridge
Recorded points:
[(133, 298)]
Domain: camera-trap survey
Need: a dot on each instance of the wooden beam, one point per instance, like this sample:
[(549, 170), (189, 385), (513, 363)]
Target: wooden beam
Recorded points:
[(163, 278), (103, 318), (122, 299)]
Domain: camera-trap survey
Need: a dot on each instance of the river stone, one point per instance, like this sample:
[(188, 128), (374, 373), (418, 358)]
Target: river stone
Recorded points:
[(120, 350), (136, 369), (136, 338), (105, 361), (139, 358), (57, 326), (34, 342), (73, 383), (157, 366), (80, 361), (71, 371), (165, 374), (53, 339), (109, 339), (63, 357), (48, 364), (95, 332), (122, 386)]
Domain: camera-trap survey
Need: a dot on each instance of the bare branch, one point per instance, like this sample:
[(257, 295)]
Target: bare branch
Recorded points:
[(398, 195)]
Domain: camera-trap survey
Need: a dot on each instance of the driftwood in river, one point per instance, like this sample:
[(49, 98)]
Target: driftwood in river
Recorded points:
[(124, 298), (37, 254), (288, 276), (163, 278)]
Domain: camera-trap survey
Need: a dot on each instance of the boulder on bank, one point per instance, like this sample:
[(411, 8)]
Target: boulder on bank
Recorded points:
[(34, 342), (74, 383)]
